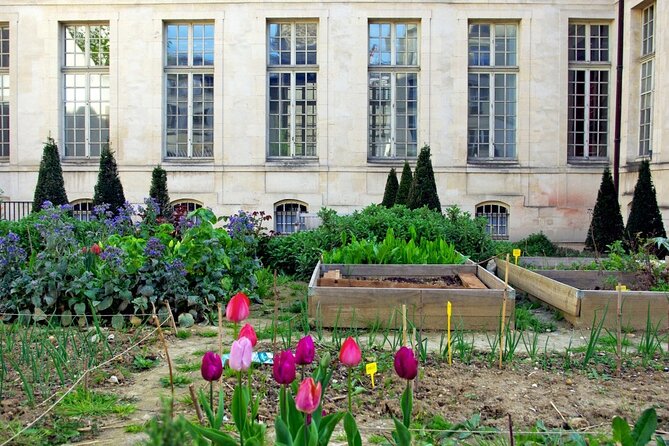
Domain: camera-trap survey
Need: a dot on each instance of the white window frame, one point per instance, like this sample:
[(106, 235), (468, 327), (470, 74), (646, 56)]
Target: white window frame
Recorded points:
[(497, 215), (301, 141), (507, 74), (193, 73), (289, 221), (190, 205), (594, 144), (4, 92), (95, 87), (647, 81), (82, 209), (391, 72)]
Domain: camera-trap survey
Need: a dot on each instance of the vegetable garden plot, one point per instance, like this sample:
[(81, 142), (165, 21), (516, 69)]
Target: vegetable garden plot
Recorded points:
[(373, 295)]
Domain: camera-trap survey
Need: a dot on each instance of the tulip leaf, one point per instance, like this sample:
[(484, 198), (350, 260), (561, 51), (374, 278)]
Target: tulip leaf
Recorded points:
[(219, 411), (407, 404), (240, 403), (217, 437), (327, 426), (621, 432), (351, 429), (283, 436), (204, 402), (401, 434), (309, 438), (645, 427), (295, 417)]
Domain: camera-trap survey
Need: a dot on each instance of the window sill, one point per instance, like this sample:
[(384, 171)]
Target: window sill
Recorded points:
[(587, 162), (175, 160), (296, 162), (392, 161), (492, 162), (73, 161)]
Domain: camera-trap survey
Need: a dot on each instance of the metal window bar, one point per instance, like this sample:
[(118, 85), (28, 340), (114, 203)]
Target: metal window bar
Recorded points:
[(15, 210)]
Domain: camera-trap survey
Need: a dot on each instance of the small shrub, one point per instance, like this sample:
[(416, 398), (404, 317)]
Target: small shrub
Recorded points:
[(645, 220), (423, 190), (108, 189), (390, 192), (50, 185), (405, 185), (158, 191), (606, 225)]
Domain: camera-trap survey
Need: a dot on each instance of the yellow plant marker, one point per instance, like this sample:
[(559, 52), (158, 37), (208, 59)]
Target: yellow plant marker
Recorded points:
[(448, 331), (621, 288), (370, 369), (516, 254)]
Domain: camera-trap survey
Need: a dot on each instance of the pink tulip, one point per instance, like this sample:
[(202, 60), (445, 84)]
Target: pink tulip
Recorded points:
[(212, 367), (238, 308), (283, 369), (406, 364), (305, 351), (240, 354), (308, 396), (350, 354), (247, 331)]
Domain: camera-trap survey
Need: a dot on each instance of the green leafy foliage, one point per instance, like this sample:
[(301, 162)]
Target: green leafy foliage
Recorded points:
[(606, 225), (50, 185), (395, 251), (158, 191), (390, 192), (645, 220), (108, 189), (423, 190), (642, 432), (298, 253), (405, 185)]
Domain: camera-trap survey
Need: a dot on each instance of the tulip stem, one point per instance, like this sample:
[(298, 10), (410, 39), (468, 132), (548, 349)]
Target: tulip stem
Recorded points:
[(349, 391), (307, 419), (211, 395), (250, 393), (283, 404), (241, 391)]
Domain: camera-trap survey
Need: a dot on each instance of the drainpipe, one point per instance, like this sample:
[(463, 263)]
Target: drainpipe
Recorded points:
[(619, 94)]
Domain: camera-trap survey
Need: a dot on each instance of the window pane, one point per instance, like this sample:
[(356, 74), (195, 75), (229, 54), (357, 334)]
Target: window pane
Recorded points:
[(380, 85)]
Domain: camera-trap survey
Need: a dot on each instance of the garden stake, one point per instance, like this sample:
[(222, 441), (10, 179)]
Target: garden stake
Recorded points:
[(198, 410), (511, 442), (501, 331), (404, 325), (619, 317), (167, 356), (169, 311), (276, 315), (220, 336), (448, 331)]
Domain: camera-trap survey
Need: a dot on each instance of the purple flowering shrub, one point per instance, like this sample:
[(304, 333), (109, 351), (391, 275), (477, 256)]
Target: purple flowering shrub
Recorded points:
[(120, 263)]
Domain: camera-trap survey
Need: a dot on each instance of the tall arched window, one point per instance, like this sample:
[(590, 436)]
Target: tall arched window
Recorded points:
[(497, 215), (287, 216)]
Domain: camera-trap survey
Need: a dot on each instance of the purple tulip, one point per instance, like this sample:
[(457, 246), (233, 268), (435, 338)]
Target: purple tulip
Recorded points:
[(212, 367), (283, 369), (305, 351), (406, 364)]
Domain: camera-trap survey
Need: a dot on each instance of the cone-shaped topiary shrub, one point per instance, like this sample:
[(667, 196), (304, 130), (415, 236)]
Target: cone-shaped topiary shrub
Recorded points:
[(423, 188), (158, 191), (645, 220), (606, 225), (390, 193), (50, 184), (405, 185), (108, 189)]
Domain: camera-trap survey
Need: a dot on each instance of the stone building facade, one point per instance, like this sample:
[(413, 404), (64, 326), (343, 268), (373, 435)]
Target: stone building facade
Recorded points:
[(288, 107)]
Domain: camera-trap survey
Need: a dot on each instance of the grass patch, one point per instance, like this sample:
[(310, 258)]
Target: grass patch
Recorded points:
[(179, 380), (207, 333), (84, 402), (188, 367), (183, 334), (141, 363), (526, 320), (134, 428)]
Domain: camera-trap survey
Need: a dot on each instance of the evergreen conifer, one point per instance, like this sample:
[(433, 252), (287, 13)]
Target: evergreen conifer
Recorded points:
[(645, 220), (405, 185), (423, 187), (158, 191), (108, 189), (390, 193), (606, 225), (50, 184)]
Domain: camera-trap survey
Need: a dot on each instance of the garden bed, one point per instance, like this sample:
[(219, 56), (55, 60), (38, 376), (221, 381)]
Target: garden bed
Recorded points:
[(373, 295), (582, 295)]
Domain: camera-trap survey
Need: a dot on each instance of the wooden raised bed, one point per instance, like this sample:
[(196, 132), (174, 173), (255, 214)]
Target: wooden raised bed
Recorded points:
[(580, 294), (361, 296)]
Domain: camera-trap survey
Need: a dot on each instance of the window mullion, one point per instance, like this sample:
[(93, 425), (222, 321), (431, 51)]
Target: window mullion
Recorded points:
[(190, 115), (586, 116), (393, 114), (491, 115), (292, 112), (87, 119)]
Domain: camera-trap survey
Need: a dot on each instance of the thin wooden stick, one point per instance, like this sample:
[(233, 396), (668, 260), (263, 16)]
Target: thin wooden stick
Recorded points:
[(198, 409), (619, 318), (220, 337), (511, 440), (276, 315), (173, 323), (501, 329), (167, 357), (404, 325)]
